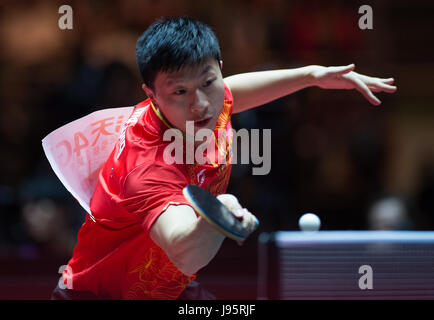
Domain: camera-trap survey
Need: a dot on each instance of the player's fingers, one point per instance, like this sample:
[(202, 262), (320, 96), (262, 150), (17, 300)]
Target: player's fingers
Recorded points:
[(380, 86), (250, 222), (388, 80), (239, 213), (368, 79), (364, 90), (230, 201), (342, 70)]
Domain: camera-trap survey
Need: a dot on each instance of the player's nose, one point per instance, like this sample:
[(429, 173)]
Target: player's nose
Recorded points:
[(199, 103)]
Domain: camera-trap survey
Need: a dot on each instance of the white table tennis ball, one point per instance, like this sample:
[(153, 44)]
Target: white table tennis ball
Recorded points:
[(309, 222)]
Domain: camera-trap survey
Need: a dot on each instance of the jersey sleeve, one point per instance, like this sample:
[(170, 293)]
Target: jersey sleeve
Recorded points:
[(149, 189)]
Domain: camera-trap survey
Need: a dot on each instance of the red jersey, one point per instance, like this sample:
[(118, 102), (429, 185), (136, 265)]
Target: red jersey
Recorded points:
[(115, 258)]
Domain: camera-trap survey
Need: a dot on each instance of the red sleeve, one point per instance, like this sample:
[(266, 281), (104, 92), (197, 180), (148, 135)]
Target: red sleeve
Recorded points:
[(149, 189)]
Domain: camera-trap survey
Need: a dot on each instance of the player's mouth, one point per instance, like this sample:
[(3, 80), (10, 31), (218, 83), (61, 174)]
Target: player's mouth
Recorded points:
[(202, 122)]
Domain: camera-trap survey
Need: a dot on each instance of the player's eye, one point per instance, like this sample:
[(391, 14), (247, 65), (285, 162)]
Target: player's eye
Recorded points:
[(208, 83), (179, 92)]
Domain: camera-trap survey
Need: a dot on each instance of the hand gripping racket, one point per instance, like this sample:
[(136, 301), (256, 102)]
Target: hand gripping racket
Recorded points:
[(215, 212)]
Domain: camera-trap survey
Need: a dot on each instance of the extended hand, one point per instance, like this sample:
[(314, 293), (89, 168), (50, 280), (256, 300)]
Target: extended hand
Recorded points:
[(249, 221), (345, 78)]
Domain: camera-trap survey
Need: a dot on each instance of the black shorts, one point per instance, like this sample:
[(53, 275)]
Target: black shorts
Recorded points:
[(194, 291)]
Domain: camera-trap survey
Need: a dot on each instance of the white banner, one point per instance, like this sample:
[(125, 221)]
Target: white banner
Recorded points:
[(78, 150)]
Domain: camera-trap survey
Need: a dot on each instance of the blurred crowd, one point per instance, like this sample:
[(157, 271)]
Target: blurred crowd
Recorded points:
[(356, 166)]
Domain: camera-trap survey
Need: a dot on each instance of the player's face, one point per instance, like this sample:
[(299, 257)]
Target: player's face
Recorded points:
[(193, 93)]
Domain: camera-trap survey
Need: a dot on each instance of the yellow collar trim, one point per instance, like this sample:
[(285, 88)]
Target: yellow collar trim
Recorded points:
[(159, 115)]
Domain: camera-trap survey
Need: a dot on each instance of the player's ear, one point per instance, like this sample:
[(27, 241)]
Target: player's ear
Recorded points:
[(221, 64), (148, 91)]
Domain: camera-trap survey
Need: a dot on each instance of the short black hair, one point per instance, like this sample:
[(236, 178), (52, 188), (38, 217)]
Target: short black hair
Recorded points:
[(172, 43)]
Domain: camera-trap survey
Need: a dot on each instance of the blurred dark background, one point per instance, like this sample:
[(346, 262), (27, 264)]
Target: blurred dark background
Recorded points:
[(357, 166)]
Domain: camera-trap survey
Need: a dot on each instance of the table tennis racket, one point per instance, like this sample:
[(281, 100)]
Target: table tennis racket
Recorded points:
[(215, 212)]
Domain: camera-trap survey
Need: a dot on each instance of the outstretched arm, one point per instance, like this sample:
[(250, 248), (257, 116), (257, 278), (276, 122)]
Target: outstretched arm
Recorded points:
[(257, 88)]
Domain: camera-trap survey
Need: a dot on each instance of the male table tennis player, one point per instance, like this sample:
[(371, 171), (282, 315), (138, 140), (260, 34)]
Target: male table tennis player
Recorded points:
[(147, 242)]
